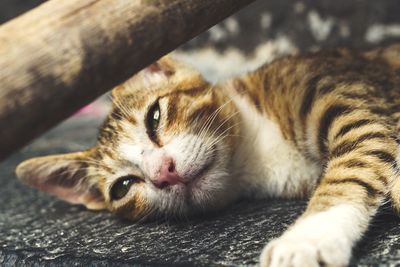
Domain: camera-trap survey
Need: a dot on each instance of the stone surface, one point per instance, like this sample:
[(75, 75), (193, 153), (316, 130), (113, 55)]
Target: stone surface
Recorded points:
[(39, 230)]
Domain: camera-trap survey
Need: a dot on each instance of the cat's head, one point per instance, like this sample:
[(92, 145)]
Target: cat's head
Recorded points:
[(164, 149)]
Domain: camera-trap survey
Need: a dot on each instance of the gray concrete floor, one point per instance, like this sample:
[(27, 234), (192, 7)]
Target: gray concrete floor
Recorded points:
[(39, 230)]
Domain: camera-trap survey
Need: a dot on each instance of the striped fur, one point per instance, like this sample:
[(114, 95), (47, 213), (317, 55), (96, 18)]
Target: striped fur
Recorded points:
[(322, 125)]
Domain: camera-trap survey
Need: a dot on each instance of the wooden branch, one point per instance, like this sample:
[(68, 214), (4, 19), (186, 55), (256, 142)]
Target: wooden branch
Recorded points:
[(63, 54)]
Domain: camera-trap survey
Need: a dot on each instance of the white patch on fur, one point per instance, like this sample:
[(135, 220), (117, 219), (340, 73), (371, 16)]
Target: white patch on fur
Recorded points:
[(326, 236), (130, 152), (265, 162)]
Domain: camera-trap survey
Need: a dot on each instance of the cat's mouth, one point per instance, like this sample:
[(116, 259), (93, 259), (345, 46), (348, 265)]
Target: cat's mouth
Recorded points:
[(200, 174)]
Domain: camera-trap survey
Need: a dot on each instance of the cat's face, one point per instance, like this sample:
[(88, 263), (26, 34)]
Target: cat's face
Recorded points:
[(164, 150)]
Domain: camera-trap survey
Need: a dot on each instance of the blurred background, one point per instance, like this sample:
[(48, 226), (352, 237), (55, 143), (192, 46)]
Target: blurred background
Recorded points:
[(265, 30), (270, 28)]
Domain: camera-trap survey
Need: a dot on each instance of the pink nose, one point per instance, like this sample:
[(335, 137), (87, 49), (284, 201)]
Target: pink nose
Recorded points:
[(168, 175)]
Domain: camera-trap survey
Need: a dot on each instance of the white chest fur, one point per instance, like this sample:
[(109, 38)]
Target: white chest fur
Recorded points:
[(264, 163)]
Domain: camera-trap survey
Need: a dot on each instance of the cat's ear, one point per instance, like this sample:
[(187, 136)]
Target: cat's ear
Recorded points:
[(65, 176), (157, 72), (165, 70)]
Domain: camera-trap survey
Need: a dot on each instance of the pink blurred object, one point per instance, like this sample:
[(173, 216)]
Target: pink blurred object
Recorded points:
[(93, 110)]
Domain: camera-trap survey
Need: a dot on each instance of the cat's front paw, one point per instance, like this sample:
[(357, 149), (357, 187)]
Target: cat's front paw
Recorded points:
[(303, 252)]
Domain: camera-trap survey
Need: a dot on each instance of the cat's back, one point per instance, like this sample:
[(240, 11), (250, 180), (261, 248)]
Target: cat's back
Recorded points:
[(290, 88), (378, 69)]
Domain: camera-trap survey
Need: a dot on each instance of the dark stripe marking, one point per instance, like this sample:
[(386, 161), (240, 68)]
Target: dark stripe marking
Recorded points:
[(356, 95), (172, 110), (204, 112), (354, 163), (352, 125), (380, 111), (117, 114), (309, 96), (347, 146), (109, 153), (193, 91), (326, 88), (372, 191), (326, 121), (127, 210), (382, 179), (383, 156)]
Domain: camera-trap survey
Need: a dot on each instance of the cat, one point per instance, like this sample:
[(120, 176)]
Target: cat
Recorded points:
[(322, 126)]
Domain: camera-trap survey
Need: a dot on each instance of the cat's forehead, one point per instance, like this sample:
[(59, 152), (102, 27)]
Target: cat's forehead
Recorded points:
[(140, 98), (128, 115), (120, 157)]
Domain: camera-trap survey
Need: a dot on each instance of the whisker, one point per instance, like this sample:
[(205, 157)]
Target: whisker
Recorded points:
[(225, 121), (218, 138), (124, 108), (212, 117)]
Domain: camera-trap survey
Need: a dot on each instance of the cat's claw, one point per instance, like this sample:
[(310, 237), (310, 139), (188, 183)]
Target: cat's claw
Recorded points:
[(294, 252)]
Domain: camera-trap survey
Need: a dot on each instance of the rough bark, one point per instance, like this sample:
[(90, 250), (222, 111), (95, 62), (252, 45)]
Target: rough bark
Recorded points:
[(63, 54)]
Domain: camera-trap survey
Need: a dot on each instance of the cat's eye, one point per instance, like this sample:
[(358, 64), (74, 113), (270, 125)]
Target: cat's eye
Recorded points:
[(153, 120), (121, 187)]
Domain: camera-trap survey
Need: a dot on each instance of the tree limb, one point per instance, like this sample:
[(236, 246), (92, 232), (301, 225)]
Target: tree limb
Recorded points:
[(63, 54)]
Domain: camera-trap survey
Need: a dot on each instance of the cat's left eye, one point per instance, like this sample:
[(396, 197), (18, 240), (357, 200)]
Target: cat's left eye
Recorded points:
[(153, 120), (121, 187)]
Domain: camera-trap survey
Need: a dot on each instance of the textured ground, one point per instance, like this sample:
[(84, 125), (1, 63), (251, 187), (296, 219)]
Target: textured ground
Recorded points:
[(37, 230)]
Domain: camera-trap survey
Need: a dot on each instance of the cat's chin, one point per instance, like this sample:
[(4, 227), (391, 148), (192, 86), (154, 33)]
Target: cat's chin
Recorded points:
[(210, 192), (207, 194), (197, 171), (213, 189)]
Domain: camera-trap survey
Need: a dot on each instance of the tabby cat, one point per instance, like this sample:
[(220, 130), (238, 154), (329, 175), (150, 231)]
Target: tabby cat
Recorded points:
[(322, 126)]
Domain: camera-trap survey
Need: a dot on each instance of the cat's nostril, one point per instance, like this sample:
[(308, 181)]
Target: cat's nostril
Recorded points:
[(171, 167)]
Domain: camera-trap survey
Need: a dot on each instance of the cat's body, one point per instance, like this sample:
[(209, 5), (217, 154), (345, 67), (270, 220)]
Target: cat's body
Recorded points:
[(323, 126), (265, 168)]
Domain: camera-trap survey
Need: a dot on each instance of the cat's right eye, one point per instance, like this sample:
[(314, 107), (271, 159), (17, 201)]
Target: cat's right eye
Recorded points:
[(121, 187), (153, 121)]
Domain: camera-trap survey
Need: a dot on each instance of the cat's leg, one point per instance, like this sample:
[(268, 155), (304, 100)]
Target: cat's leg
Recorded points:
[(395, 185), (395, 195), (362, 163)]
